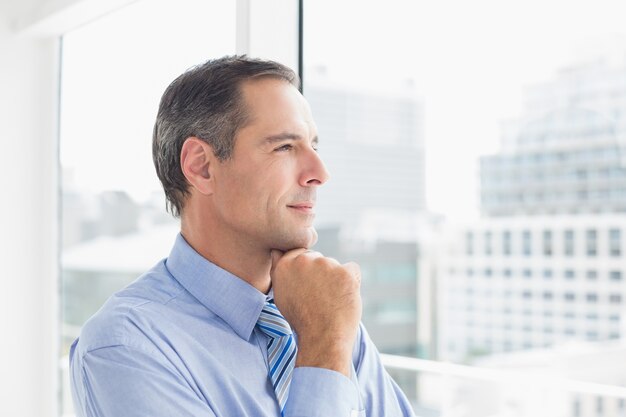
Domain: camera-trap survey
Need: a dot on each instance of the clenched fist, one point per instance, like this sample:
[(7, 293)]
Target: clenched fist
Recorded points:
[(320, 299)]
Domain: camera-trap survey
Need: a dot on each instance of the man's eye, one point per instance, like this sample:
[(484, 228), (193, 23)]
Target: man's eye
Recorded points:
[(286, 147)]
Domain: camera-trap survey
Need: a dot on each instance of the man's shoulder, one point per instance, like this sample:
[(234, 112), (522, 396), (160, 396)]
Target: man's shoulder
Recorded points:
[(125, 316)]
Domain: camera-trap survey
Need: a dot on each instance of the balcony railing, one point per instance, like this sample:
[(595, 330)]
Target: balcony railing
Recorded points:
[(441, 389), (452, 390)]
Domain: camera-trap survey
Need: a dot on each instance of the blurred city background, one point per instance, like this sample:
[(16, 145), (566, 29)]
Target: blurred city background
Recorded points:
[(478, 177)]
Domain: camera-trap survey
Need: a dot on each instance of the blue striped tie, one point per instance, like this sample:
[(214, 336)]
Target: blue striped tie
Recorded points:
[(281, 350)]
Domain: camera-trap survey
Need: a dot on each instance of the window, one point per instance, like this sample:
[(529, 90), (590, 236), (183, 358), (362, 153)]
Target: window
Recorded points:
[(518, 54), (592, 242), (527, 178), (506, 243), (469, 243), (488, 244), (615, 275), (615, 298), (114, 225), (568, 242), (592, 297), (526, 243), (592, 275), (615, 242), (576, 407), (547, 243)]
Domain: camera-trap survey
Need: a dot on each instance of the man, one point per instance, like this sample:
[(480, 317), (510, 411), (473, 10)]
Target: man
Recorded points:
[(205, 333)]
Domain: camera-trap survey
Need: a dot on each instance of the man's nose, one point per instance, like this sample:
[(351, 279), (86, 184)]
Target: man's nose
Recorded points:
[(315, 172)]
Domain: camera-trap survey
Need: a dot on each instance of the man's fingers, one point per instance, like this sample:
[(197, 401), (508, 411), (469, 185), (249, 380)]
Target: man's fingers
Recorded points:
[(277, 255), (294, 253), (310, 254)]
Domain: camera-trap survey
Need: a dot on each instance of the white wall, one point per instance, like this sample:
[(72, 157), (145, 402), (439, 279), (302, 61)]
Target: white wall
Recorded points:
[(28, 180), (29, 85)]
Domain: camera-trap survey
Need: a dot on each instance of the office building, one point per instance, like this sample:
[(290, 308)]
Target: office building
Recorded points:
[(565, 154), (510, 284), (544, 265), (372, 144)]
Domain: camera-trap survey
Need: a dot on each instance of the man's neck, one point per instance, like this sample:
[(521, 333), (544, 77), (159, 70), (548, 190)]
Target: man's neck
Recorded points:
[(250, 264)]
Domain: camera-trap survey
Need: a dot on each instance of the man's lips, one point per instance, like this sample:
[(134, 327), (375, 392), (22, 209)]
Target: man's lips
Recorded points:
[(306, 207)]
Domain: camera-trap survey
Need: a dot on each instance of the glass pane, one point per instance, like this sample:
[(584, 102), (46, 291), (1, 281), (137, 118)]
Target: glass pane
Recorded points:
[(478, 146), (114, 224)]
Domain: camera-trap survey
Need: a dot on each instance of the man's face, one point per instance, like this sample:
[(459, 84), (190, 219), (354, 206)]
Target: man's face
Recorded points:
[(265, 194)]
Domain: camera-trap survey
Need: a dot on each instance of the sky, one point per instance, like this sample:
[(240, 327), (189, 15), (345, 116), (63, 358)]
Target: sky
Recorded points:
[(469, 62)]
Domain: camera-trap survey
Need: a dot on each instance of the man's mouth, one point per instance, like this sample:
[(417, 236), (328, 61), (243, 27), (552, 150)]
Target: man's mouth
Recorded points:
[(303, 207)]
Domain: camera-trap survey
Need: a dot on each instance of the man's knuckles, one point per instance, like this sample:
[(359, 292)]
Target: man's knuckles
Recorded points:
[(318, 270), (354, 269)]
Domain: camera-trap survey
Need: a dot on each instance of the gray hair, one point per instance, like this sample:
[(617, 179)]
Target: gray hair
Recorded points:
[(204, 102)]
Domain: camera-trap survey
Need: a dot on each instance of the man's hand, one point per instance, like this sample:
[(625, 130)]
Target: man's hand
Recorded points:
[(320, 299)]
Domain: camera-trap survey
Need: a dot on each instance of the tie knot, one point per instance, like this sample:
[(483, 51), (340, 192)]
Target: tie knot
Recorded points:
[(272, 323)]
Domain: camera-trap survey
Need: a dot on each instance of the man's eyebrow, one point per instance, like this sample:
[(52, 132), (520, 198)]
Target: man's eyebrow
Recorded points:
[(288, 136)]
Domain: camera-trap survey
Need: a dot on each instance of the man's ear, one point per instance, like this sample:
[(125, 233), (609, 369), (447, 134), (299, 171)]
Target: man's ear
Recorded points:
[(196, 161)]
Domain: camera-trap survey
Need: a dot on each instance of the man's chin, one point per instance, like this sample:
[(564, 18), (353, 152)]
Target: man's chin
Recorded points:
[(305, 239)]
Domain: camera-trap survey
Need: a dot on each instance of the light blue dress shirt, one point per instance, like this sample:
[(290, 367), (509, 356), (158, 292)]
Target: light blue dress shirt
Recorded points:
[(181, 341)]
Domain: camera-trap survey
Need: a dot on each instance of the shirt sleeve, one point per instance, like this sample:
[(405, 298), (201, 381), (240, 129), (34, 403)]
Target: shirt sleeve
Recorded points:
[(319, 392), (130, 381), (381, 395)]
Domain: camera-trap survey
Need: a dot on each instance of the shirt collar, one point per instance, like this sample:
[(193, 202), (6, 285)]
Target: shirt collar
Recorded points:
[(231, 298)]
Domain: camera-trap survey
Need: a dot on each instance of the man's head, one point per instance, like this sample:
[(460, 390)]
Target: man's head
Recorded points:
[(205, 102), (235, 148)]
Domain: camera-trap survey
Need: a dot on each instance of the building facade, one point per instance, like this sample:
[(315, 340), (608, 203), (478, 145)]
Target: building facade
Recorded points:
[(565, 154), (544, 265), (522, 283)]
